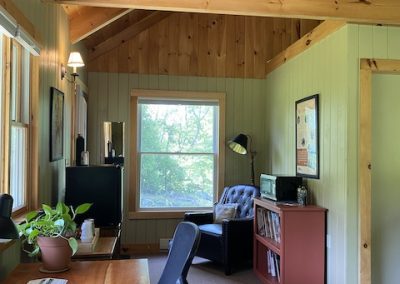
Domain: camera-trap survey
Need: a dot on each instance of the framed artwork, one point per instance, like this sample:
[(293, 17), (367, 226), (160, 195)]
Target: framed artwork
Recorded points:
[(56, 124), (307, 137)]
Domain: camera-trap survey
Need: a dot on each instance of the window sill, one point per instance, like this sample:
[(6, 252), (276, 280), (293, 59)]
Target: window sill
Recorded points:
[(156, 215)]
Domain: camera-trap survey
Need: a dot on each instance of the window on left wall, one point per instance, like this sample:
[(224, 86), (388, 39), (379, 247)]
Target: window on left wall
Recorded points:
[(15, 83), (20, 82)]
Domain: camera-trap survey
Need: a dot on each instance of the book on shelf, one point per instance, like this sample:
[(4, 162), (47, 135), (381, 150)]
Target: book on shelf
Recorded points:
[(273, 264), (260, 222), (268, 224)]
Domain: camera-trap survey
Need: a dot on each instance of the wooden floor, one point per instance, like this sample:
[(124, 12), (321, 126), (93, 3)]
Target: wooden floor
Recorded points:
[(202, 271)]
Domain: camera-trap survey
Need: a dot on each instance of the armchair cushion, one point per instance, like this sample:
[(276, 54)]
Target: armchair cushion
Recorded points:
[(224, 211), (215, 229)]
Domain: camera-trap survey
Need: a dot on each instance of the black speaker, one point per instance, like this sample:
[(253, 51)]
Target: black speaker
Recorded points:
[(100, 185)]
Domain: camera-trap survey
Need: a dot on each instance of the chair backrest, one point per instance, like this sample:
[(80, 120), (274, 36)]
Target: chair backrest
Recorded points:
[(184, 246), (243, 195)]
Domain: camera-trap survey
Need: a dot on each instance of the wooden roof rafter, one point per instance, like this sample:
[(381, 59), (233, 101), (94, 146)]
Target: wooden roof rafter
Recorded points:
[(85, 20), (361, 11), (131, 30)]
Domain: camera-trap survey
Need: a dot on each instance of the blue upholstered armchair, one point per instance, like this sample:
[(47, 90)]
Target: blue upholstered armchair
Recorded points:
[(230, 242)]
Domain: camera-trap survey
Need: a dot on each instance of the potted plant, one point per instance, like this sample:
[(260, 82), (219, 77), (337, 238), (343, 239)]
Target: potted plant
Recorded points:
[(52, 232)]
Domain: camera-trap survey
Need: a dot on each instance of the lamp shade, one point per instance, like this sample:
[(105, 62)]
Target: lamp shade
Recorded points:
[(7, 226), (75, 60), (239, 144)]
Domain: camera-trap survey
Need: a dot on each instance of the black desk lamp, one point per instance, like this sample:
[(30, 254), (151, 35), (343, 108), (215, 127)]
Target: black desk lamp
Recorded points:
[(239, 145), (7, 226)]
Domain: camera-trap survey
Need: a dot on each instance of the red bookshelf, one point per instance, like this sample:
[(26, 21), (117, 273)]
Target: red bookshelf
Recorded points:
[(299, 251)]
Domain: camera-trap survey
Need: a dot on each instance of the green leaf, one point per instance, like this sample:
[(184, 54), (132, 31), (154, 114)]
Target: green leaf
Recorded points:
[(59, 208), (83, 208), (65, 208), (73, 244), (47, 209), (59, 222), (31, 215)]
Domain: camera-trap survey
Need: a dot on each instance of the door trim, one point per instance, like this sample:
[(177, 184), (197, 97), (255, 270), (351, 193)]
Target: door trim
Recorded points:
[(367, 68)]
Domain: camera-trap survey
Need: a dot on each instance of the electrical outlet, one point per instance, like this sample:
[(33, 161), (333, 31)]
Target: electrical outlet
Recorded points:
[(164, 243)]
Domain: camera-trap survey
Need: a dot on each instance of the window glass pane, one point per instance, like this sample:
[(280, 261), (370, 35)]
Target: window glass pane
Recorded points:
[(168, 180), (14, 83), (177, 128), (18, 160)]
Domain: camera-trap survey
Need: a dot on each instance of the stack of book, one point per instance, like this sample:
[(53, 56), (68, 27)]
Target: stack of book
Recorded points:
[(273, 262), (268, 224)]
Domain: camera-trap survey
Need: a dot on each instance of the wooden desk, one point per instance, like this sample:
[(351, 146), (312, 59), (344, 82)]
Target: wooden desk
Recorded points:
[(105, 248), (133, 271)]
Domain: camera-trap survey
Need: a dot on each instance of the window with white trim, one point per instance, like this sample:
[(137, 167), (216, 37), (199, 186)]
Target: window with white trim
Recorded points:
[(177, 155), (19, 109)]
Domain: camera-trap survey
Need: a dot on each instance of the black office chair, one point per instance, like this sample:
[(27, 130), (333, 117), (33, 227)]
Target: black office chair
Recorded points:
[(182, 250)]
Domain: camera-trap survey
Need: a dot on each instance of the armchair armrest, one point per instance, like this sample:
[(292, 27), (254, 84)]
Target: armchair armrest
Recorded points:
[(199, 218), (238, 226), (238, 238)]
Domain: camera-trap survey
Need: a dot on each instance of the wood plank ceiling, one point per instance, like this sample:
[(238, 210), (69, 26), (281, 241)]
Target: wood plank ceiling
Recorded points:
[(204, 43)]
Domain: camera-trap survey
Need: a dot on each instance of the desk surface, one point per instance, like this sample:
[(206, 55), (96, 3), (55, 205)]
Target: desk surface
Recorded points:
[(133, 271), (104, 249)]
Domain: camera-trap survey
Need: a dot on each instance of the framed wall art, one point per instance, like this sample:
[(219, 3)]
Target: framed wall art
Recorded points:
[(307, 137), (56, 124)]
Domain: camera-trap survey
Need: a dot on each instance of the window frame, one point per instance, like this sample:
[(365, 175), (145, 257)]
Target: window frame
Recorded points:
[(219, 98), (29, 121)]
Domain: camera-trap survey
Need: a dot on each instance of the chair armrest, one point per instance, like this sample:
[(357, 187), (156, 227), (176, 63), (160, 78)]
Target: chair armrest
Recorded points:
[(199, 218), (238, 238), (238, 225)]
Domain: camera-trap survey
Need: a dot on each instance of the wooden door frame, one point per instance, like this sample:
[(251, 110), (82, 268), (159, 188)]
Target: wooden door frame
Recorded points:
[(367, 68)]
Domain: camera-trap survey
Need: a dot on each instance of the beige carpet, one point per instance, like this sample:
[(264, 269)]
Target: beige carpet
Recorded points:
[(202, 271)]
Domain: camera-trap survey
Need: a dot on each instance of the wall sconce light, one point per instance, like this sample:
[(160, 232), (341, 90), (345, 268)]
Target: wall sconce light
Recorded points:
[(75, 60), (240, 145)]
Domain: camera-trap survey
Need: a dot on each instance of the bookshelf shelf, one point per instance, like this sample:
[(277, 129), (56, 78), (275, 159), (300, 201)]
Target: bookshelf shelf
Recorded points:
[(289, 243), (274, 246)]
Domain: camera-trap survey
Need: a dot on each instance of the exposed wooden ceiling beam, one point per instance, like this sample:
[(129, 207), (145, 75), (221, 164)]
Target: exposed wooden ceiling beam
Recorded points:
[(126, 34), (366, 11), (88, 20)]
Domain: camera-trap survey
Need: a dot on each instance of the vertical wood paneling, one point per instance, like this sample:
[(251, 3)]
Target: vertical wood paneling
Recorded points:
[(393, 43), (51, 22), (310, 73), (202, 45), (240, 116), (335, 78), (380, 41)]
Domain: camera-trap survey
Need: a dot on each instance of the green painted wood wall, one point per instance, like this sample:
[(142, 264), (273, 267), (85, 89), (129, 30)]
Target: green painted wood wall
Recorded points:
[(109, 101), (52, 23), (385, 178), (320, 70), (330, 68)]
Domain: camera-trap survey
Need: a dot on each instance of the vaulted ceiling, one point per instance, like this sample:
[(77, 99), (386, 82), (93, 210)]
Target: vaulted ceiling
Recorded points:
[(105, 25)]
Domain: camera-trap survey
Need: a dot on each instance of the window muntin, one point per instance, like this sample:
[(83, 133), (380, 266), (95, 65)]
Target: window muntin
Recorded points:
[(177, 154)]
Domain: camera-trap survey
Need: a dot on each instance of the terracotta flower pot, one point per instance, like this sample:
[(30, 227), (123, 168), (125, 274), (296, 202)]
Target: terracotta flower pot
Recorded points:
[(56, 254)]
